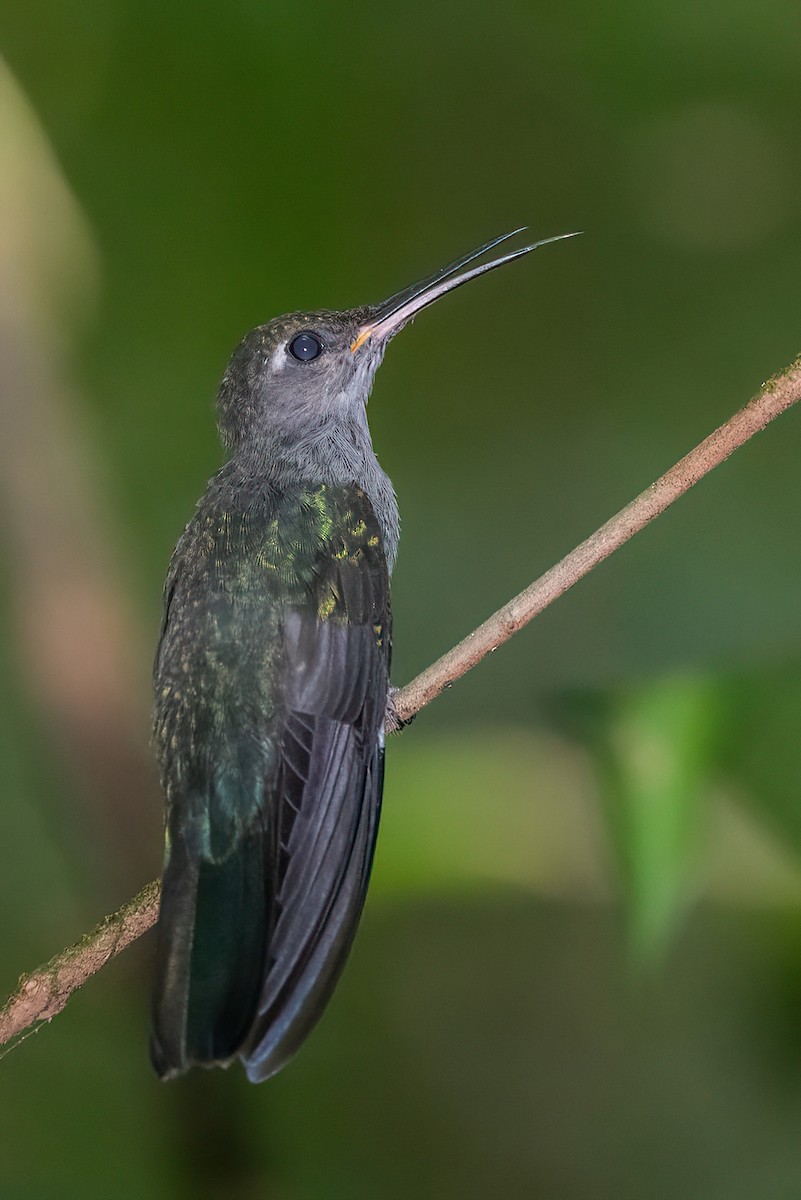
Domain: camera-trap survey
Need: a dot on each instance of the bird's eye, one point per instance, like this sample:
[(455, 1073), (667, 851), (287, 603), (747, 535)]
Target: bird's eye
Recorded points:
[(305, 347)]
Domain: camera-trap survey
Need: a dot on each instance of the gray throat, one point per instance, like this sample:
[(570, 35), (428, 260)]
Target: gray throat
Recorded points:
[(338, 453)]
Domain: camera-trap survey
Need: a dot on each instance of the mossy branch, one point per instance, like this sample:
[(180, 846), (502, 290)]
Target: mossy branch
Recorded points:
[(44, 992)]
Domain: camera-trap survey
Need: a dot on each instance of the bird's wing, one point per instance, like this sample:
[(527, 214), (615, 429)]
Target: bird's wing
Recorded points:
[(330, 780), (271, 684)]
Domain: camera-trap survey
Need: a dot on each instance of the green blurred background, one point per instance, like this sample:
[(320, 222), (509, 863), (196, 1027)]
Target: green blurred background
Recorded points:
[(579, 971)]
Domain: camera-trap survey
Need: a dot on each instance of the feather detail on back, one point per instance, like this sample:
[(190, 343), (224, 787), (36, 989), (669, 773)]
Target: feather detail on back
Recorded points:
[(271, 687)]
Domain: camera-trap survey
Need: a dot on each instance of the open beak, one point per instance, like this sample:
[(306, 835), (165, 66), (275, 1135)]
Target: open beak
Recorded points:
[(396, 312)]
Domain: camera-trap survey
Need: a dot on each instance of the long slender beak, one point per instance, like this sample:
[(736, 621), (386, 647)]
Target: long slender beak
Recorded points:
[(394, 313)]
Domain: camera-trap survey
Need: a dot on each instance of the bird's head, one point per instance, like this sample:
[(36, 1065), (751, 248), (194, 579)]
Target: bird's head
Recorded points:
[(306, 370)]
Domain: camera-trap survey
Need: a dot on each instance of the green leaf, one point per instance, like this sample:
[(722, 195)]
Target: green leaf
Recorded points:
[(655, 747)]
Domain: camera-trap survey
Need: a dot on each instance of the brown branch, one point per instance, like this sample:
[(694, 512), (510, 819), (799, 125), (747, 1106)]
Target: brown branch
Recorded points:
[(777, 395), (46, 990)]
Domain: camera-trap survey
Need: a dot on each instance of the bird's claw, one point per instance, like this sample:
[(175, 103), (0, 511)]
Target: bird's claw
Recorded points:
[(393, 721)]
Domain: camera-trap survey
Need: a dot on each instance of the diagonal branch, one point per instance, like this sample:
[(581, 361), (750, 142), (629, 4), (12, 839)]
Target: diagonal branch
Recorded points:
[(44, 992), (775, 396)]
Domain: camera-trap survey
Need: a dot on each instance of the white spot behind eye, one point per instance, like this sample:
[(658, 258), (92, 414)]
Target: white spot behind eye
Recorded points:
[(278, 361)]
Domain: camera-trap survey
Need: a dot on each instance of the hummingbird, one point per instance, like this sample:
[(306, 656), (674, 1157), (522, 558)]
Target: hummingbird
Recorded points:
[(272, 692)]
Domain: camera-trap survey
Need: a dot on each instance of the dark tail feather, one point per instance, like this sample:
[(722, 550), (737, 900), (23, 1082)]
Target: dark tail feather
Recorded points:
[(301, 979), (212, 935)]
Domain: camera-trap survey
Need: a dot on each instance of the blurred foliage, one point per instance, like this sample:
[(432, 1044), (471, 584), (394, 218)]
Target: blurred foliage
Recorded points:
[(655, 746), (763, 750), (172, 174)]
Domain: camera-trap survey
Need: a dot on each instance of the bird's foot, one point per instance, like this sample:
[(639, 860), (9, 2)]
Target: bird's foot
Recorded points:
[(393, 721)]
